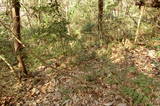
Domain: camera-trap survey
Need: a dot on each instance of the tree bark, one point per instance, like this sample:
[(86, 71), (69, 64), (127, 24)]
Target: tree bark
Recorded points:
[(100, 18), (16, 30)]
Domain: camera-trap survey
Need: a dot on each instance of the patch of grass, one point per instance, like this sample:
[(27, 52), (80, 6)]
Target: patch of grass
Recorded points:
[(138, 97)]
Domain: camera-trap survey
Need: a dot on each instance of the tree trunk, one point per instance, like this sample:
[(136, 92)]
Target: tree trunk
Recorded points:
[(16, 31), (100, 18), (139, 23)]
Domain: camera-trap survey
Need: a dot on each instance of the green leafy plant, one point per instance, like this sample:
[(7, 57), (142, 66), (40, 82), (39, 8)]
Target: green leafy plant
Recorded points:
[(138, 97)]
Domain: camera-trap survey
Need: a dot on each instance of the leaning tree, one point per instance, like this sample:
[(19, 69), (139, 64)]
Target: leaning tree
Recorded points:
[(17, 35)]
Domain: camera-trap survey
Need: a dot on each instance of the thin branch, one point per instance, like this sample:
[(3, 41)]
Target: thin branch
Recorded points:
[(9, 65), (132, 19), (11, 68), (28, 16), (13, 34)]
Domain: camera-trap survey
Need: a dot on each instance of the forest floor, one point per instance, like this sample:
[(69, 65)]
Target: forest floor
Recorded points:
[(129, 77)]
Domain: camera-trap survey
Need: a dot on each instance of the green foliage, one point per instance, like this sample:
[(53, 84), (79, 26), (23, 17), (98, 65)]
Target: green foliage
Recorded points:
[(52, 8), (141, 90), (143, 81), (88, 27), (138, 97), (158, 53), (131, 69), (93, 76), (58, 28)]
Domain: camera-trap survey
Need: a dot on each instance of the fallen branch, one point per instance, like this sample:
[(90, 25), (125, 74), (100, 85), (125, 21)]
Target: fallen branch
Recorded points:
[(11, 68), (9, 65)]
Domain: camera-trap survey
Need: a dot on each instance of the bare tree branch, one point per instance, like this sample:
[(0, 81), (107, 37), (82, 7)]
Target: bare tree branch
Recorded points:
[(13, 34), (9, 65)]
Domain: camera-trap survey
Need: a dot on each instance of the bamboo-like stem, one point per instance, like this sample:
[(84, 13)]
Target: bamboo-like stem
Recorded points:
[(8, 64), (139, 23)]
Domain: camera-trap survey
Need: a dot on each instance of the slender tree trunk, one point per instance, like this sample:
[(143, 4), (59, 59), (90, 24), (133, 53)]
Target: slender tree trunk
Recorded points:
[(39, 12), (139, 23), (67, 16), (100, 18), (7, 7), (16, 31)]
